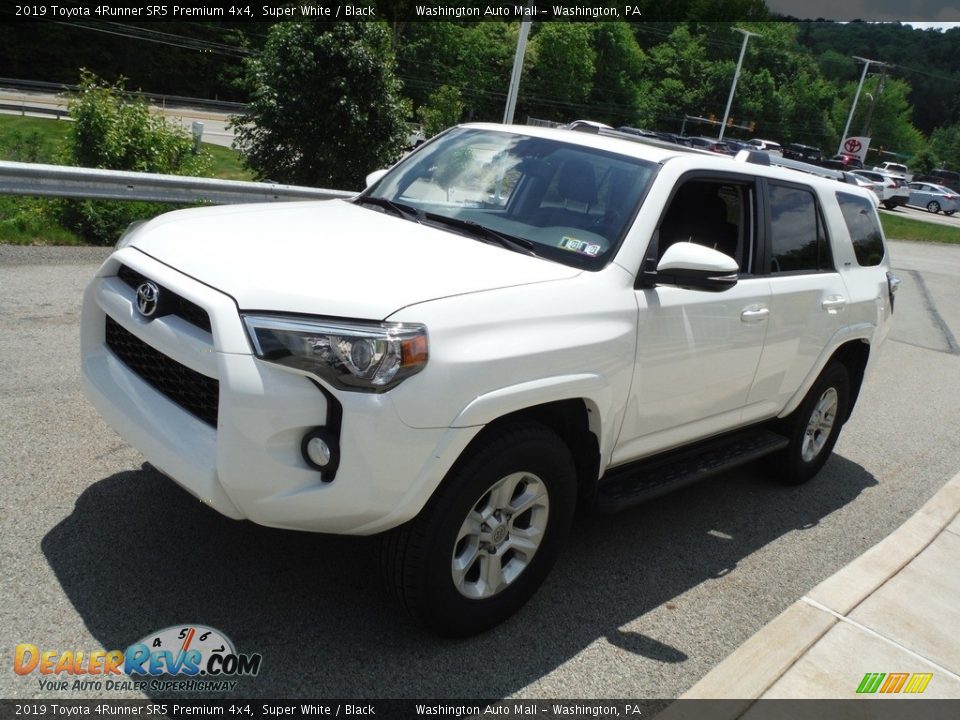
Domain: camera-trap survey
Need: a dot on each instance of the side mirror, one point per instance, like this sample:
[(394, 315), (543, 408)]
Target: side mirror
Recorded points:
[(376, 175), (689, 265)]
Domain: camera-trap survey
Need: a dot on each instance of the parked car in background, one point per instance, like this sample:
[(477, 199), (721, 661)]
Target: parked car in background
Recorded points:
[(843, 161), (933, 197), (947, 178), (806, 153), (711, 144), (874, 187), (772, 147), (895, 190), (894, 169), (738, 145)]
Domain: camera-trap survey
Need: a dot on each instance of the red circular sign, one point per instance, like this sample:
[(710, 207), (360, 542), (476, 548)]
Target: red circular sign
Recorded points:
[(852, 146)]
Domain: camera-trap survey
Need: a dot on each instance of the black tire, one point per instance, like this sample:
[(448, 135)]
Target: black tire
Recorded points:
[(795, 464), (417, 558), (933, 206), (889, 205), (948, 213)]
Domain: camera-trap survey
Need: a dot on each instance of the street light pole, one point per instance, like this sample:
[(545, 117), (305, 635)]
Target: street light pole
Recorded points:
[(863, 76), (736, 76), (517, 67)]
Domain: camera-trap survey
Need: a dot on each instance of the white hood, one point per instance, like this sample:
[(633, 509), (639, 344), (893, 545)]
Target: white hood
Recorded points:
[(331, 258)]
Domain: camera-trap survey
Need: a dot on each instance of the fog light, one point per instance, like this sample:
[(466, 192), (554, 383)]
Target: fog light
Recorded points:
[(320, 450)]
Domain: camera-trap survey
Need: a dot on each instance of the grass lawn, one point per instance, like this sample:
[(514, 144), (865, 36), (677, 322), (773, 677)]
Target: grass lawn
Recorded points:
[(43, 136), (30, 221), (903, 228)]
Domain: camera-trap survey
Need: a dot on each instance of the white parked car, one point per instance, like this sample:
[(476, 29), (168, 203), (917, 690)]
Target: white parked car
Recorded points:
[(895, 191), (510, 324), (895, 169), (876, 188), (770, 146)]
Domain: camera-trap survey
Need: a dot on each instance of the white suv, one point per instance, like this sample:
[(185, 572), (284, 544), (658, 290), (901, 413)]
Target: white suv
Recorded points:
[(510, 324)]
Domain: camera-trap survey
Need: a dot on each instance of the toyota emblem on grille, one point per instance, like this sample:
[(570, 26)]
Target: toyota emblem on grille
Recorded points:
[(148, 297)]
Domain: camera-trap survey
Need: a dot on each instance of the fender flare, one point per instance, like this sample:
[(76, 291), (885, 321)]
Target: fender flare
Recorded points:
[(592, 388), (860, 331)]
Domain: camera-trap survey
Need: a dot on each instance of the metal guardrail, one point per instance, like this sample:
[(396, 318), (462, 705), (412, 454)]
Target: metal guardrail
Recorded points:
[(75, 182), (23, 109)]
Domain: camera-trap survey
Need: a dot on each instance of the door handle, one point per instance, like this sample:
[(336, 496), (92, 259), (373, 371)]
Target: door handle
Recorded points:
[(834, 304), (754, 313)]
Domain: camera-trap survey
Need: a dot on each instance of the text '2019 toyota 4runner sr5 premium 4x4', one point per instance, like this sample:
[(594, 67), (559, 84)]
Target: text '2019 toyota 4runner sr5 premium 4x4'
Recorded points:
[(509, 324)]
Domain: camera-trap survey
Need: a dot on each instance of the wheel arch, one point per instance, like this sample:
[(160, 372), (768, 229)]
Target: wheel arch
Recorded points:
[(576, 421), (854, 354)]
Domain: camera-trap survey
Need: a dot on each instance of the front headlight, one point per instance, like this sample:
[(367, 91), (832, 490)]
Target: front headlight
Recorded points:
[(371, 357)]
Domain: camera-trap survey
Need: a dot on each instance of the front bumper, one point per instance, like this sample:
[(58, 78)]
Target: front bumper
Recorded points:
[(249, 465)]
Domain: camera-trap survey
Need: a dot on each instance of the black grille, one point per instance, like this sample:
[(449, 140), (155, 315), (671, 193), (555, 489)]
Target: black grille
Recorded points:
[(170, 302), (194, 392)]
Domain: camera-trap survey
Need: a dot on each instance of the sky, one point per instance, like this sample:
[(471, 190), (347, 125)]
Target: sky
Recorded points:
[(917, 12)]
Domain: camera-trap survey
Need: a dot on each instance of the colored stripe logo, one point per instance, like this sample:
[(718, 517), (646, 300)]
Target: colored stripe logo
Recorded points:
[(889, 683)]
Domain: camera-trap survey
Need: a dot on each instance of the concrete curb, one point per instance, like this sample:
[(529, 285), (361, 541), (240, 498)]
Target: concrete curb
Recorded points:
[(755, 666)]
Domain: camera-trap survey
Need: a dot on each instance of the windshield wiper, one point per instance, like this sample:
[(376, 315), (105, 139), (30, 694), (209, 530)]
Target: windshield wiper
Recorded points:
[(405, 211), (510, 242)]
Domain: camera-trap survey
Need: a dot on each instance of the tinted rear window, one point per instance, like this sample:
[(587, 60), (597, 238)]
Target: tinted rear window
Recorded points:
[(864, 227)]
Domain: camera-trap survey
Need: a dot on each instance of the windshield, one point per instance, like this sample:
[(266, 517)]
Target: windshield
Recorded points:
[(558, 200)]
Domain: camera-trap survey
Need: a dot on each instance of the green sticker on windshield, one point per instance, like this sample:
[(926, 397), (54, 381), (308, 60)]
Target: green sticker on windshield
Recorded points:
[(579, 246)]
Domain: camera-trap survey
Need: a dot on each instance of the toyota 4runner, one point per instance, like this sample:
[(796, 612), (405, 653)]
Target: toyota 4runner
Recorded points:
[(510, 324)]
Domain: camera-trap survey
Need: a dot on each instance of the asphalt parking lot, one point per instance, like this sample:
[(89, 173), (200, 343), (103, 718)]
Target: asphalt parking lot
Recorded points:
[(98, 549)]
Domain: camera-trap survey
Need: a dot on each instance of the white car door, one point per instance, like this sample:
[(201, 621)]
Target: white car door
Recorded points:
[(697, 351), (808, 296)]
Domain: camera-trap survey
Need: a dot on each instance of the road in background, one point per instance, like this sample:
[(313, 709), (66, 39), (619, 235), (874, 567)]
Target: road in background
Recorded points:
[(924, 215), (215, 130), (99, 549)]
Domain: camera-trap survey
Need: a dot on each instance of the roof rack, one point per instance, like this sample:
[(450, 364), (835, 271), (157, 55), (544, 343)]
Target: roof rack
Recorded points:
[(761, 157)]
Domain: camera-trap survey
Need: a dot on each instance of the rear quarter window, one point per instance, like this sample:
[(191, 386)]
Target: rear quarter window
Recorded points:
[(864, 228)]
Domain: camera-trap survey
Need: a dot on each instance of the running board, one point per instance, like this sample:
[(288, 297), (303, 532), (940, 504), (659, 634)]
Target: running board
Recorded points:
[(629, 485)]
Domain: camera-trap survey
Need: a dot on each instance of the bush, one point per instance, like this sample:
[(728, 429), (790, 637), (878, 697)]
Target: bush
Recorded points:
[(115, 131)]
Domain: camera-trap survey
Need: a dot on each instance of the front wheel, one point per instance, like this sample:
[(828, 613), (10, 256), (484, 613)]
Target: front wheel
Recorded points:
[(487, 539), (813, 427), (933, 206)]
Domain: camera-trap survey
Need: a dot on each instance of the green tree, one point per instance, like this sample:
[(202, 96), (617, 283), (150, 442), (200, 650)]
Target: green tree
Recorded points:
[(443, 109), (923, 162), (325, 104), (945, 145), (676, 80), (884, 112), (561, 75), (619, 62)]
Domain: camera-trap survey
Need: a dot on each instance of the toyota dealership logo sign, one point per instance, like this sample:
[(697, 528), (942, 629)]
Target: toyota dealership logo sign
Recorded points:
[(856, 146)]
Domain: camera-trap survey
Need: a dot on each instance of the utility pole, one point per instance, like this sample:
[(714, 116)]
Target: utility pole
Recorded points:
[(863, 76), (517, 66), (736, 76), (873, 104)]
